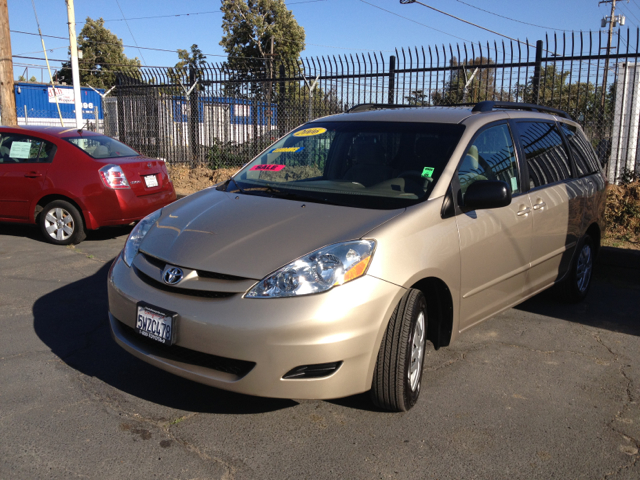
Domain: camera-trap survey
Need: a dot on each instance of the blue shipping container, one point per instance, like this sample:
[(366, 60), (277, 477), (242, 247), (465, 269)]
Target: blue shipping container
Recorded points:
[(38, 98)]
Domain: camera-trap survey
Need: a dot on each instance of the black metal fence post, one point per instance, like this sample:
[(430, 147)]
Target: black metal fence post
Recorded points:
[(392, 79), (281, 101), (194, 116), (536, 72)]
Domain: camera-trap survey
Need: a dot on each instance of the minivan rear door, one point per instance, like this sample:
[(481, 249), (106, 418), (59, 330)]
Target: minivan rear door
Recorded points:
[(557, 213)]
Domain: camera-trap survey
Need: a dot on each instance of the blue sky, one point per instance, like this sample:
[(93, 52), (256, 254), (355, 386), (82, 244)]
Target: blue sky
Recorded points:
[(332, 26)]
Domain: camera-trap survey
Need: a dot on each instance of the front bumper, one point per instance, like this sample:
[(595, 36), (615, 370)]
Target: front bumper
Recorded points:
[(345, 325)]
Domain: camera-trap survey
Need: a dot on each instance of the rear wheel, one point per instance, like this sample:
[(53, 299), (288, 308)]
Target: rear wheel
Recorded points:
[(61, 223), (398, 373), (575, 286)]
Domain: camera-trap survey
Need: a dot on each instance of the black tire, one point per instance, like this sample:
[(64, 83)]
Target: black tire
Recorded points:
[(61, 223), (394, 387), (575, 286)]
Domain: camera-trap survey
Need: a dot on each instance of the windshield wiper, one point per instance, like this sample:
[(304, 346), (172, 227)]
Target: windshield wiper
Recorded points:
[(225, 185)]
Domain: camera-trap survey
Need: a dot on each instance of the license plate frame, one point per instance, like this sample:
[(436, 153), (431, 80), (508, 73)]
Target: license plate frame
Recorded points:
[(156, 323), (151, 181)]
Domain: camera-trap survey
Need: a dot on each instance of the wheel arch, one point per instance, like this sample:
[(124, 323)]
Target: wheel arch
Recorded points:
[(596, 235), (39, 207), (439, 310)]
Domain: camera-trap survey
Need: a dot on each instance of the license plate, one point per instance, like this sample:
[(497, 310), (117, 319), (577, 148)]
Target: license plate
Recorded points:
[(151, 181), (156, 324)]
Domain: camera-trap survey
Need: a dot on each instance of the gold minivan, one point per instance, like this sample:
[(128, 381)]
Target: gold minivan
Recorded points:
[(327, 265)]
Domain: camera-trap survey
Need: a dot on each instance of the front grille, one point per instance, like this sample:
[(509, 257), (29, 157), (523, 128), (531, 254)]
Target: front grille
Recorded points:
[(183, 291), (180, 354), (220, 276), (156, 262)]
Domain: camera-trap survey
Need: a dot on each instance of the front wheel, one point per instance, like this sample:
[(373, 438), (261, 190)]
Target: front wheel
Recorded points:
[(398, 373), (61, 223)]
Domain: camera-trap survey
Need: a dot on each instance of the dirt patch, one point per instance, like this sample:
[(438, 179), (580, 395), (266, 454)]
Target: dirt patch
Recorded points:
[(187, 180)]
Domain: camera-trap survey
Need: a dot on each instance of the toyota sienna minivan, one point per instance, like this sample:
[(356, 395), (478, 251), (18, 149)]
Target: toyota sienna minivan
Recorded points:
[(329, 264)]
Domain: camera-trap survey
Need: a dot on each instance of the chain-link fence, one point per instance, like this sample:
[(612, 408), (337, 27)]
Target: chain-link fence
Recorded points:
[(221, 115)]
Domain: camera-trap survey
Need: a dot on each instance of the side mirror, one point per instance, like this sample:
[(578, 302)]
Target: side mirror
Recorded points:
[(484, 194)]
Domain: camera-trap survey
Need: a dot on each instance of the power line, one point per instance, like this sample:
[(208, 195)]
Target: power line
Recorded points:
[(512, 19), (134, 38), (628, 10), (128, 46), (414, 21), (464, 21), (190, 13)]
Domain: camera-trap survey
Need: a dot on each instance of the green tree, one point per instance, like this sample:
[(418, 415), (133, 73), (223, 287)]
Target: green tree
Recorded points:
[(102, 56), (33, 79), (189, 65), (417, 98), (578, 99), (249, 27), (469, 84)]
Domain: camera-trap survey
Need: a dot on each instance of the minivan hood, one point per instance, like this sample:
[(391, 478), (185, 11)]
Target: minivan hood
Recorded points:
[(251, 236)]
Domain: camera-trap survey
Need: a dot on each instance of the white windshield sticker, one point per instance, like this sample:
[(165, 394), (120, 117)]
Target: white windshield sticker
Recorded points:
[(20, 149)]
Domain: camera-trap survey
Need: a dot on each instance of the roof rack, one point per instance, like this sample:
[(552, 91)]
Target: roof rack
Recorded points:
[(364, 107), (490, 105)]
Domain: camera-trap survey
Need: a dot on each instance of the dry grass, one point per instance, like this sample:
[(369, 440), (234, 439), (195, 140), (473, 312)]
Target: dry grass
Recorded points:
[(622, 216), (187, 180)]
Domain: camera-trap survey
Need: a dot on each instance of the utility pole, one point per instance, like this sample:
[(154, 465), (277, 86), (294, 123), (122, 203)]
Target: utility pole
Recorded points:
[(7, 95), (613, 22), (75, 69)]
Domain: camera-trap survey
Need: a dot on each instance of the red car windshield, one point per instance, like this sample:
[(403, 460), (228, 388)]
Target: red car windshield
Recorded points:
[(101, 146)]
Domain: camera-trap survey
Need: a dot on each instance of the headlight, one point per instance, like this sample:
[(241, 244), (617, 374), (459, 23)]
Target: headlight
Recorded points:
[(317, 272), (137, 234)]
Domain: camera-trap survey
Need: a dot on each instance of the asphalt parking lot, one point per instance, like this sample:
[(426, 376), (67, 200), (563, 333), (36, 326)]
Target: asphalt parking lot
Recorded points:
[(545, 390)]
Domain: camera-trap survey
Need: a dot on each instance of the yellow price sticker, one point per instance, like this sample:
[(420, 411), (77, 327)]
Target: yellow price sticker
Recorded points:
[(310, 132)]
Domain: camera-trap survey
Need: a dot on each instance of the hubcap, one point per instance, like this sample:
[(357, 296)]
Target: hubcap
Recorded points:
[(417, 352), (59, 224), (583, 269)]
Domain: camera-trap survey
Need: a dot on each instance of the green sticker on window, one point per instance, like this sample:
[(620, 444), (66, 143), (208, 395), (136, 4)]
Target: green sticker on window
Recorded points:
[(427, 172)]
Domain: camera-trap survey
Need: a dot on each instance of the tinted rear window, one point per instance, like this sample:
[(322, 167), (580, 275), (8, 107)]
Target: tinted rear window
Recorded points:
[(583, 155)]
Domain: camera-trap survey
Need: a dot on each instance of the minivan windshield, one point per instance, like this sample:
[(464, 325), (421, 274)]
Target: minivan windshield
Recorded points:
[(383, 165), (101, 146)]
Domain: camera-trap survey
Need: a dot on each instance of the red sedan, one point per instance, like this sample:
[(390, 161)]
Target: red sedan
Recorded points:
[(68, 181)]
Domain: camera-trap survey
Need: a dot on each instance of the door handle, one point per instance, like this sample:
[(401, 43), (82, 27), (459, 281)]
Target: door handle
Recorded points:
[(540, 205), (32, 175), (523, 212)]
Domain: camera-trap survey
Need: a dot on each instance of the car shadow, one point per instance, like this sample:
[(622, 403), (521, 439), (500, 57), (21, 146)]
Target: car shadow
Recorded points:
[(72, 321), (32, 232), (612, 301)]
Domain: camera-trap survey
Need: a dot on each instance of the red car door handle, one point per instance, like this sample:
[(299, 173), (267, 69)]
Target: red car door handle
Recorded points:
[(32, 175)]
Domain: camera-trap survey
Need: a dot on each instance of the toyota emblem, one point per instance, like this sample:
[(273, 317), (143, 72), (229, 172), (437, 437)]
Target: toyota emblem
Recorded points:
[(172, 275)]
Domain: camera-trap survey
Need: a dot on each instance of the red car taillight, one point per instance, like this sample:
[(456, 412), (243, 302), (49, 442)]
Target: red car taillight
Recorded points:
[(113, 177)]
